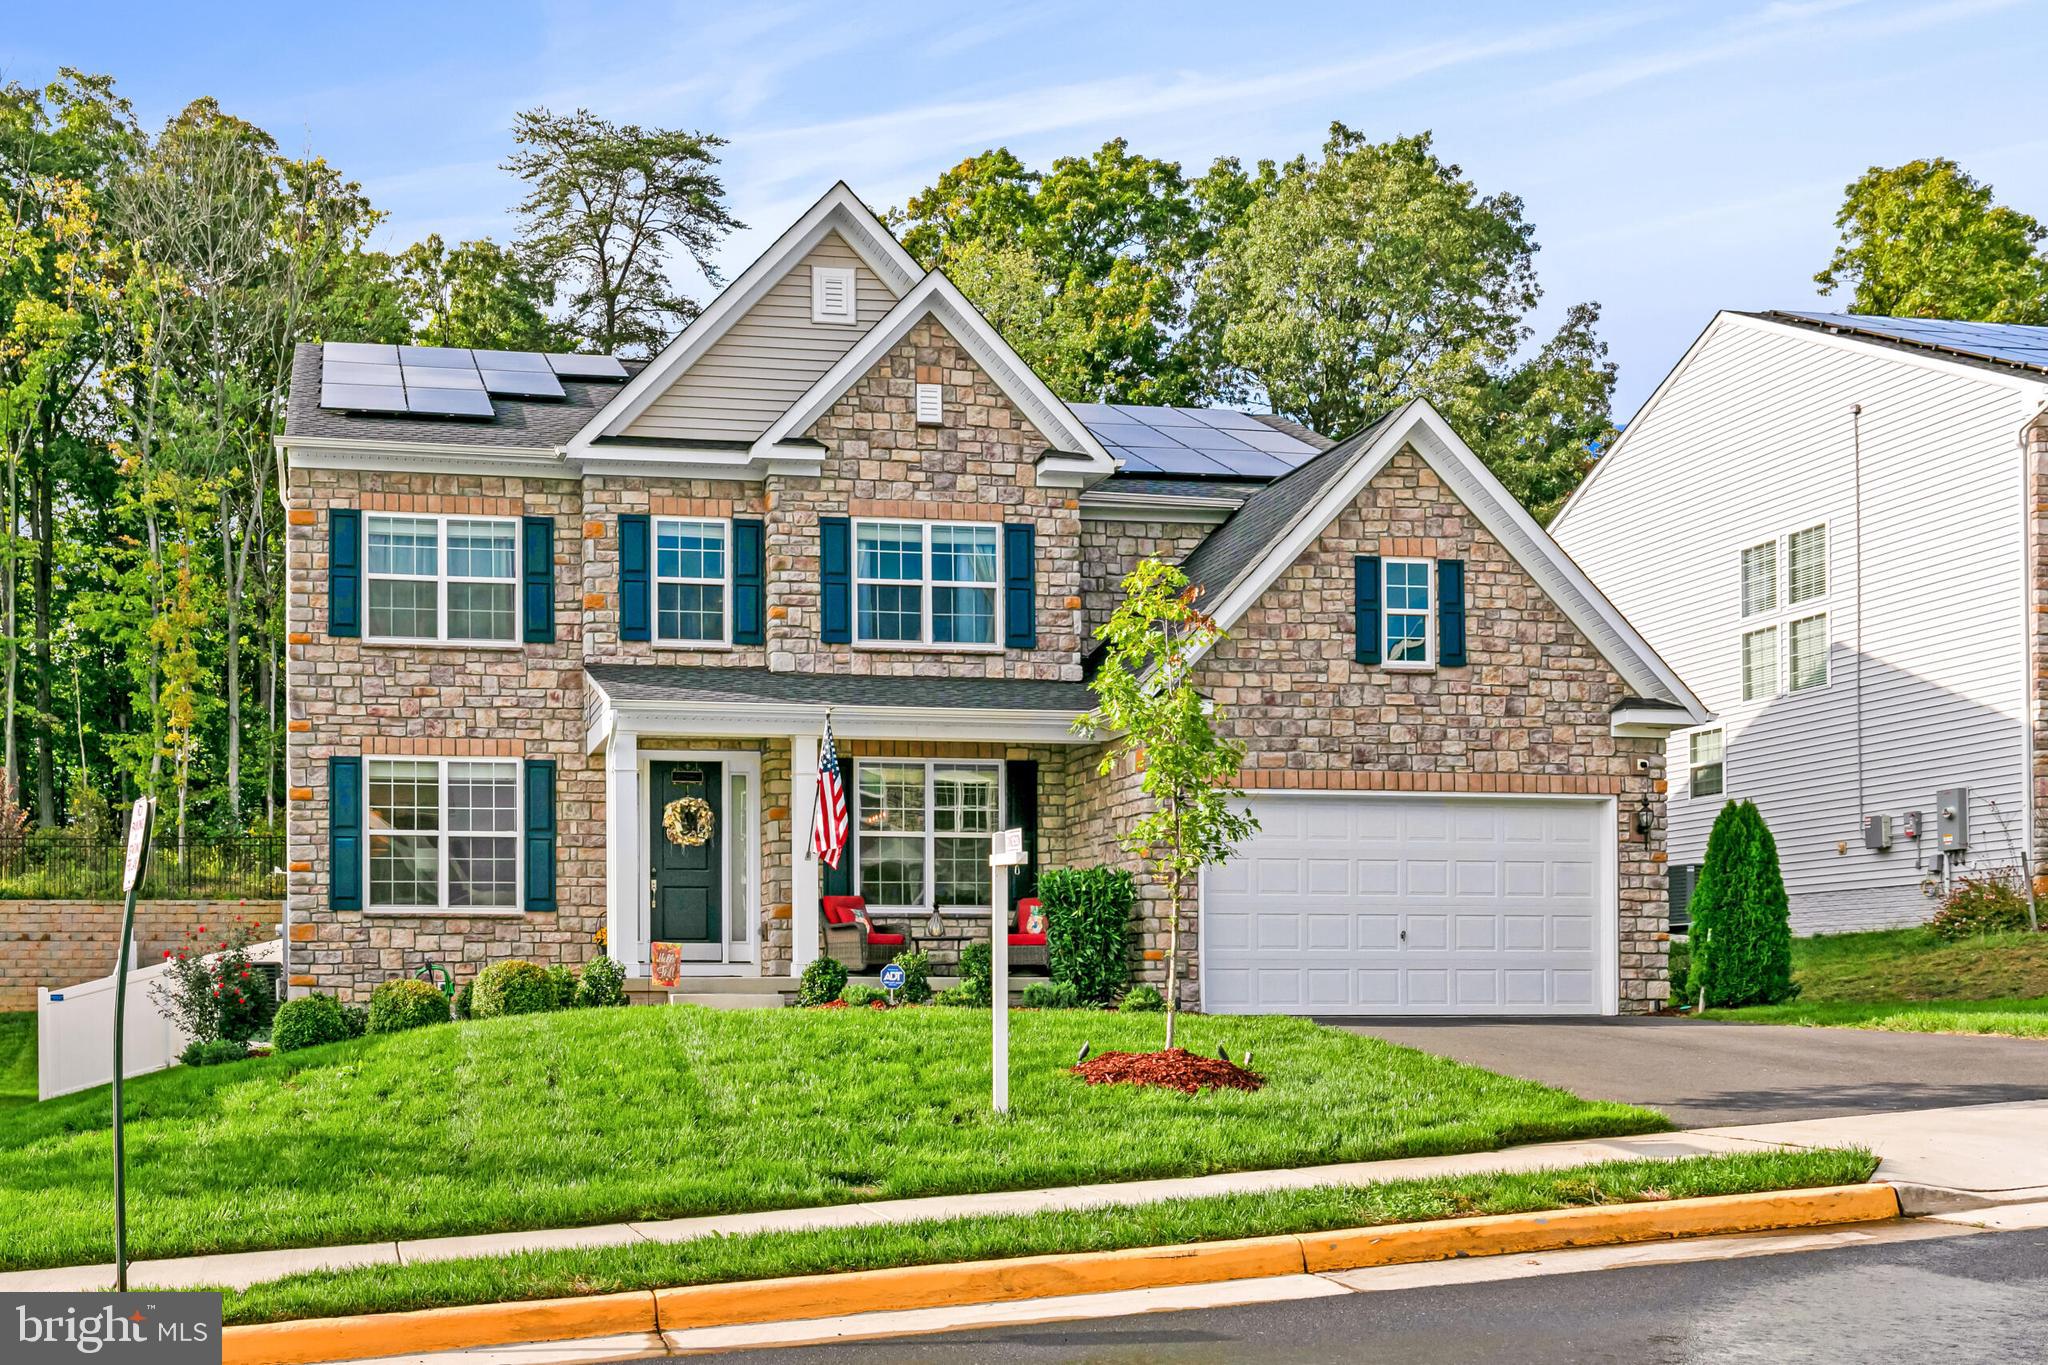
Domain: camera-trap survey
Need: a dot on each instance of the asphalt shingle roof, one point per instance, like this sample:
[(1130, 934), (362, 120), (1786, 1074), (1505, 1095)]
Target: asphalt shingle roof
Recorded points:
[(728, 686), (516, 423)]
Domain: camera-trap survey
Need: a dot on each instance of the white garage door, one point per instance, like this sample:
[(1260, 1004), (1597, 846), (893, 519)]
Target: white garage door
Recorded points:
[(1403, 904)]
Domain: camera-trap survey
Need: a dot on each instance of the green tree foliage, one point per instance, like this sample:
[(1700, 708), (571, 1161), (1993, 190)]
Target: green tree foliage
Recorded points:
[(1741, 923), (1926, 240), (1377, 273), (1155, 720), (605, 203), (1084, 267), (476, 294)]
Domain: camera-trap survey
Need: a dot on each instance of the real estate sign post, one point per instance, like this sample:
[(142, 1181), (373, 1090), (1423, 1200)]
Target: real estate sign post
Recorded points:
[(1009, 852), (131, 882)]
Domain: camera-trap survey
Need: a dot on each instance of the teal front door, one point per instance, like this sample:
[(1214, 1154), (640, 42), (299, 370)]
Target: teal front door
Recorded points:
[(689, 878)]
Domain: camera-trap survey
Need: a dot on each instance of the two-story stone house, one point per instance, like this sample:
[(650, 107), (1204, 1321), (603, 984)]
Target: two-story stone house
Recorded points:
[(538, 604)]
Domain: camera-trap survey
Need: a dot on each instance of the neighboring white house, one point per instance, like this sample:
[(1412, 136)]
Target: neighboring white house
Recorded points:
[(1827, 524)]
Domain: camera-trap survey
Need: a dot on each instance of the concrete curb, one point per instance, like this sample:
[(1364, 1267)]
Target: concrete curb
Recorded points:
[(312, 1341)]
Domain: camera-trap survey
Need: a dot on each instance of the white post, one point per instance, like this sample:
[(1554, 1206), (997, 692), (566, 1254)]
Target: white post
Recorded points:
[(625, 893), (803, 864), (999, 983)]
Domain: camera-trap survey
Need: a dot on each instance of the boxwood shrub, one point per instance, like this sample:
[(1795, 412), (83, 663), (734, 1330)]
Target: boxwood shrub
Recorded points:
[(603, 983), (213, 1051), (308, 1021), (977, 976), (821, 983), (860, 995), (1088, 928), (407, 1002), (514, 986), (1050, 995), (917, 977), (563, 979)]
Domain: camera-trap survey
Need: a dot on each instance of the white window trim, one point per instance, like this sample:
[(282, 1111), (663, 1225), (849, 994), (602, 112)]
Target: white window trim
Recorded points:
[(848, 279), (928, 583), (518, 834), (656, 579), (1784, 612), (930, 834), (441, 578), (1428, 660), (1691, 767)]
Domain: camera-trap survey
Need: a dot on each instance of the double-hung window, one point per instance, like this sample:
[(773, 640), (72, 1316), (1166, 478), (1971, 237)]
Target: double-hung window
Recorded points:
[(443, 833), (1703, 766), (923, 833), (925, 583), (1407, 612), (692, 581), (443, 579), (1785, 621)]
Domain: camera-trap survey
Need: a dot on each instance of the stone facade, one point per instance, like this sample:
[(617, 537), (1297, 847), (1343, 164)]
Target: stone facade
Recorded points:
[(61, 943), (1527, 714), (1111, 549)]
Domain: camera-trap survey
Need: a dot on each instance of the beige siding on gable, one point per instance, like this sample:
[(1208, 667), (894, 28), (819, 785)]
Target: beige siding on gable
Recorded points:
[(768, 357)]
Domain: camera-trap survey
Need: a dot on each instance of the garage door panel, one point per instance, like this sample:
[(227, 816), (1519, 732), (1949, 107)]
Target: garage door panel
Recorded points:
[(1502, 903)]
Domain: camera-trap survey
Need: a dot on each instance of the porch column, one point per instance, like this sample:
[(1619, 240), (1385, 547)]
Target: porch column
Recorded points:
[(625, 894), (803, 865)]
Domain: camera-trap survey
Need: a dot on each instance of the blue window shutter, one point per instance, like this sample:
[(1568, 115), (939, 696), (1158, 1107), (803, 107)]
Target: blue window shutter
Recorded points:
[(1450, 613), (838, 881), (344, 571), (1365, 609), (749, 581), (1020, 586), (344, 833), (537, 578), (835, 585), (633, 561), (540, 834)]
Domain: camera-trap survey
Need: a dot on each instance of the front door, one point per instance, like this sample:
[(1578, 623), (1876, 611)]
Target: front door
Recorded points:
[(689, 869)]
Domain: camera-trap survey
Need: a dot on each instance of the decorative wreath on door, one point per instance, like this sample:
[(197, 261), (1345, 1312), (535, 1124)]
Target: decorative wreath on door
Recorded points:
[(688, 821)]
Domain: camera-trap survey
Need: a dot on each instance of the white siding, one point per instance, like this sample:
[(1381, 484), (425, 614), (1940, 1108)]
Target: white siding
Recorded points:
[(1753, 439), (767, 358)]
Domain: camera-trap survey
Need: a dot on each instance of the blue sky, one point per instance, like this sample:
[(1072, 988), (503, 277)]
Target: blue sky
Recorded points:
[(1675, 159)]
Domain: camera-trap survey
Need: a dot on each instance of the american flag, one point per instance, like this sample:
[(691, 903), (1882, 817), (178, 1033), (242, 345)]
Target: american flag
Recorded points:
[(829, 825)]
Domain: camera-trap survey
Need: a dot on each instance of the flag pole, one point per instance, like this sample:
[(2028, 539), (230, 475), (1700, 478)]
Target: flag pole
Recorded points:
[(811, 848)]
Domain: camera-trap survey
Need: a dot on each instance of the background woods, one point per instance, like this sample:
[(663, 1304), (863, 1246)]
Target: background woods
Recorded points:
[(153, 284)]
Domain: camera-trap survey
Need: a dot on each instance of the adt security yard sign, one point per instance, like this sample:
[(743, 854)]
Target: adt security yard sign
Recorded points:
[(892, 979)]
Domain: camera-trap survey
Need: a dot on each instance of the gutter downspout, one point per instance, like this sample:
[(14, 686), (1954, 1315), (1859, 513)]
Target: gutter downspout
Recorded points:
[(2030, 553)]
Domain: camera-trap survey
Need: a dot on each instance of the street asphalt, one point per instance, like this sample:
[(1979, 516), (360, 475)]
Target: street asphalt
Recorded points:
[(1977, 1298), (1707, 1075)]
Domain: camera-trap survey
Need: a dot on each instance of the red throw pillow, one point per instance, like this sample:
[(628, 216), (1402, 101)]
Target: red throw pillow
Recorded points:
[(844, 909)]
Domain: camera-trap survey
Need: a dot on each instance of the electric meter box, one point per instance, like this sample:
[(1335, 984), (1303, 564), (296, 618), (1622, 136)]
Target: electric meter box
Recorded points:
[(1877, 832), (1952, 818), (1909, 825)]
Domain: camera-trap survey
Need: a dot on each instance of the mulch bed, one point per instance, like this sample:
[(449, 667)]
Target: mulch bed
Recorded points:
[(1175, 1069)]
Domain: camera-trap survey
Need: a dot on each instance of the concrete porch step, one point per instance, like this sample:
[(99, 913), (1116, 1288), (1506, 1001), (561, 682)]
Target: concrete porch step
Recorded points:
[(730, 1000)]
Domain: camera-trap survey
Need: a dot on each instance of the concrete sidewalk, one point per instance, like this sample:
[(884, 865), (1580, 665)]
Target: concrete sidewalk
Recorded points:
[(1989, 1153)]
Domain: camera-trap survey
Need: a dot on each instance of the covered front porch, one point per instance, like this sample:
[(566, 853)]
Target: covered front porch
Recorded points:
[(710, 784)]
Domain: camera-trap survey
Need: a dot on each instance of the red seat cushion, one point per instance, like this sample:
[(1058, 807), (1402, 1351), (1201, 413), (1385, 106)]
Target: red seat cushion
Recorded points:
[(1024, 931), (842, 909), (885, 940), (1027, 940)]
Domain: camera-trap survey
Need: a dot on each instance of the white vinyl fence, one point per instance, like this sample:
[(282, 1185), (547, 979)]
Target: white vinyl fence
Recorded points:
[(75, 1029)]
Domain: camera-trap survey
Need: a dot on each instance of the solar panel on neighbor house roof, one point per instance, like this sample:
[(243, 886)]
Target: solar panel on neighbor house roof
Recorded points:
[(2009, 343), (586, 366), (448, 402), (366, 377), (1194, 442)]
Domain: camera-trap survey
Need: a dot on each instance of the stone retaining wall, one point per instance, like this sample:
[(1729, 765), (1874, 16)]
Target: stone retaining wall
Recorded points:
[(61, 943)]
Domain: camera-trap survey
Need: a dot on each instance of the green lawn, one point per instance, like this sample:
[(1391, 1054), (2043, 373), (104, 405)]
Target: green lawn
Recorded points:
[(17, 1059), (709, 1260), (591, 1116), (1907, 980)]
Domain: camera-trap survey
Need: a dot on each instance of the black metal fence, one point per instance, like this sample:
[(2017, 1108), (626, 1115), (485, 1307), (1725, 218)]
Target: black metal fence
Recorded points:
[(55, 867)]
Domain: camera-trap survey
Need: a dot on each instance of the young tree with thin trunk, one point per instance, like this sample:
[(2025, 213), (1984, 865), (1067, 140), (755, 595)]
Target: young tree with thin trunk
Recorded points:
[(1155, 718)]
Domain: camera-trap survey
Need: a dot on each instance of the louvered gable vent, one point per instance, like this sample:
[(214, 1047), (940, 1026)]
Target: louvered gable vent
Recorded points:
[(832, 295)]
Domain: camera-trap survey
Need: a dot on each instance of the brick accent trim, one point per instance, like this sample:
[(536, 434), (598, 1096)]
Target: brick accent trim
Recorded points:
[(919, 748), (690, 507), (446, 748), (1520, 784), (435, 504), (1411, 547), (905, 510)]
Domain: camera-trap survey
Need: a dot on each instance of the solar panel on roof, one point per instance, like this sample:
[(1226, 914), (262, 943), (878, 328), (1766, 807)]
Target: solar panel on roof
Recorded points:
[(1185, 462), (523, 383), (344, 372), (529, 361), (2008, 343), (1277, 443), (586, 366), (361, 352), (1135, 462), (439, 357), (1228, 419), (363, 397), (448, 403), (438, 377)]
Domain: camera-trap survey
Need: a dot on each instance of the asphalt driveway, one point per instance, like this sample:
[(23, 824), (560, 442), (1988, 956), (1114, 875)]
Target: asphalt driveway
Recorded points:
[(1707, 1075)]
